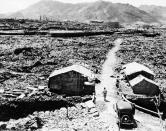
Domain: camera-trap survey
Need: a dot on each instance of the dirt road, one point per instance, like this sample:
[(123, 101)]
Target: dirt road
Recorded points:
[(108, 82)]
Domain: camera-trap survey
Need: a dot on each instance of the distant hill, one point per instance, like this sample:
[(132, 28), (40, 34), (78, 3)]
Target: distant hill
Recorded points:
[(100, 10), (159, 12)]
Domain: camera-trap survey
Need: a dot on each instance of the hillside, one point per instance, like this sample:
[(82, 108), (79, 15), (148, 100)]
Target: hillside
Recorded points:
[(99, 10), (159, 12)]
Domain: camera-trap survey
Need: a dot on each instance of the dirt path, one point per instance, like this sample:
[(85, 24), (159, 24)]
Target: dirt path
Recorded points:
[(109, 115), (108, 70)]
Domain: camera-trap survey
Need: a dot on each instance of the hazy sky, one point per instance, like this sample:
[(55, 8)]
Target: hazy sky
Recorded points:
[(15, 5)]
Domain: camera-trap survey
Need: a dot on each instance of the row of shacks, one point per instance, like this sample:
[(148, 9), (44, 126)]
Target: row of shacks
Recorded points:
[(141, 79), (78, 80), (72, 80)]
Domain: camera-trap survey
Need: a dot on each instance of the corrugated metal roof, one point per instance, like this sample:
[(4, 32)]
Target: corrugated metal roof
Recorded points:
[(78, 68), (136, 67), (140, 78)]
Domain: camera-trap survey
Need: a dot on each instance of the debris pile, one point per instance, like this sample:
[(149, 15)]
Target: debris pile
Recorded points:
[(78, 118), (35, 100)]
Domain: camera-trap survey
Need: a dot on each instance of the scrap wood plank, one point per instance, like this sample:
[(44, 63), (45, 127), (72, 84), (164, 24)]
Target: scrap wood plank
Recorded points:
[(31, 88), (2, 90), (42, 87), (18, 90), (14, 93), (21, 96), (32, 93), (10, 95)]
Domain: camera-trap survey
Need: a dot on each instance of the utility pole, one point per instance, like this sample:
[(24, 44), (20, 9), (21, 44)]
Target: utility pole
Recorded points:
[(157, 104)]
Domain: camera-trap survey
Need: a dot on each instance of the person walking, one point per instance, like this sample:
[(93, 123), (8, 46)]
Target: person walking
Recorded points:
[(117, 82), (105, 93), (94, 98)]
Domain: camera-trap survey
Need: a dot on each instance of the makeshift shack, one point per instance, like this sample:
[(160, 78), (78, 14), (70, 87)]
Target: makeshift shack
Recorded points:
[(144, 86), (72, 80), (132, 70)]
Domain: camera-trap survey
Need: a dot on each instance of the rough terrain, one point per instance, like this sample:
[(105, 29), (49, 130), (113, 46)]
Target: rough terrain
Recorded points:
[(28, 60)]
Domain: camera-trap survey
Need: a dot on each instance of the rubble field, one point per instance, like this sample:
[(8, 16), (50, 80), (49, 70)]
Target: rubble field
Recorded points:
[(27, 61)]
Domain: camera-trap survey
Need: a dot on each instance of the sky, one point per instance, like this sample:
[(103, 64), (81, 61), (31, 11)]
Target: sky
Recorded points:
[(9, 6)]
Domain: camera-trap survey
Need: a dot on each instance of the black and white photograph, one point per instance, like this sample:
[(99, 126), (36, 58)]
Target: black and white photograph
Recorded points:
[(82, 65)]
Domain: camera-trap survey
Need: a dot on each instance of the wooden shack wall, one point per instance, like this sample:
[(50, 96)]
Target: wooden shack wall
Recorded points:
[(146, 88), (71, 83)]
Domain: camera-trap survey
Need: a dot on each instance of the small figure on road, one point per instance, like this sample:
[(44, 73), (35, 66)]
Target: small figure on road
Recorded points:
[(105, 93), (117, 82), (94, 98), (117, 85)]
